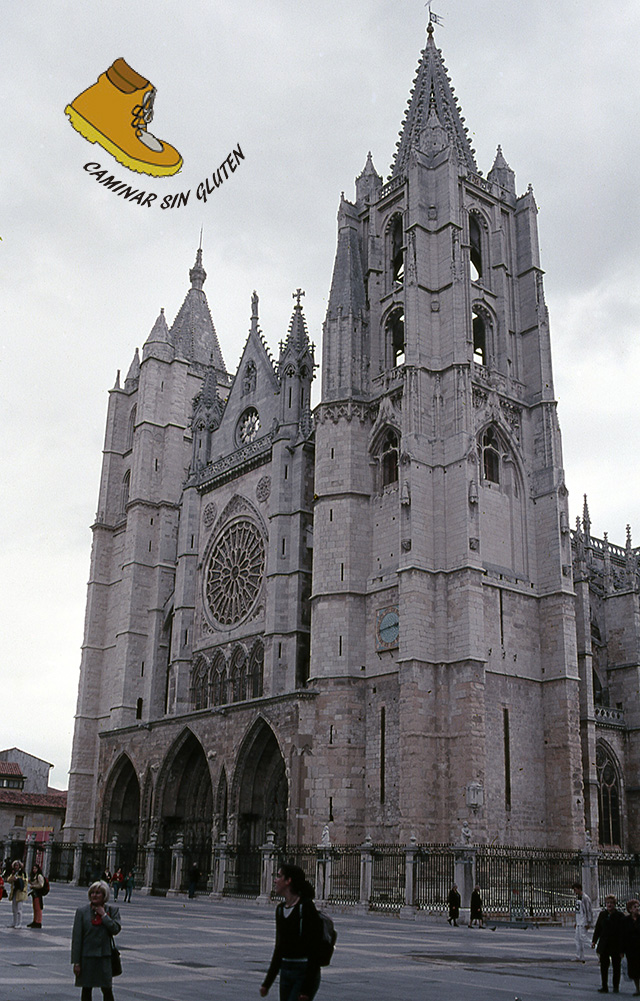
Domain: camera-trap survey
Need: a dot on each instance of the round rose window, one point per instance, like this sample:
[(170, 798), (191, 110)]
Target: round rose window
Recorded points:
[(234, 572)]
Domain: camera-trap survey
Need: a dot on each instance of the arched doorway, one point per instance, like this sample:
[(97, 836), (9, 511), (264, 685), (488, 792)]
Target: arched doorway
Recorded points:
[(122, 803), (185, 798), (261, 789)]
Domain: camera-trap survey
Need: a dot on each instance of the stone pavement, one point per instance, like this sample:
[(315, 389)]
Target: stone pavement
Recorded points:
[(182, 950)]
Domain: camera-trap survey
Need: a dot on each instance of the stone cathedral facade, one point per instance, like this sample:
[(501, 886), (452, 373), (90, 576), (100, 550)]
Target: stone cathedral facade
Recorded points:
[(364, 617)]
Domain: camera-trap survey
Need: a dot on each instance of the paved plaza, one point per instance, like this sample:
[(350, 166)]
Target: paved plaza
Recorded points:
[(182, 950)]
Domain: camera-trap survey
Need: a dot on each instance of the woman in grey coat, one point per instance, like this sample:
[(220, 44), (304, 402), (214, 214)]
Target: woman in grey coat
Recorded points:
[(93, 928)]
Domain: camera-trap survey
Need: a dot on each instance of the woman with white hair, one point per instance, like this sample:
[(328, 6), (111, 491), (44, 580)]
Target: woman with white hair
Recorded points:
[(94, 926)]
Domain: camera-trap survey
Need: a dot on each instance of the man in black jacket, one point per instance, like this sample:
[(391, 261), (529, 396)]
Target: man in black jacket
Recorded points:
[(608, 939)]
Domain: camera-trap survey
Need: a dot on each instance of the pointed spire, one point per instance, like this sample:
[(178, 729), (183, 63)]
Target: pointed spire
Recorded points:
[(133, 375), (432, 98), (160, 331), (368, 182), (297, 339), (116, 384), (586, 520), (347, 284), (502, 174), (192, 333), (197, 274), (210, 388)]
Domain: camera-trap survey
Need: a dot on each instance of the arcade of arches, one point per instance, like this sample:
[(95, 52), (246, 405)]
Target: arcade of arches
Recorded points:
[(188, 801)]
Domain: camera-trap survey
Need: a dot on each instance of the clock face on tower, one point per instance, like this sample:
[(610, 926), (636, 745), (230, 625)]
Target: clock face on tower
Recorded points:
[(387, 627)]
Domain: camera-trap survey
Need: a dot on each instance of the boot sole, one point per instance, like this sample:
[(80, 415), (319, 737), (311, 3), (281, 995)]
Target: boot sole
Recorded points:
[(92, 135)]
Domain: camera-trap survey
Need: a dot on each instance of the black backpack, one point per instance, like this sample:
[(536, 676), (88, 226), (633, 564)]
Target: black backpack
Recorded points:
[(45, 889), (328, 941)]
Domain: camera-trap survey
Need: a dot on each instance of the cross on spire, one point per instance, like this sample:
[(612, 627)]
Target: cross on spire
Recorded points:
[(297, 295)]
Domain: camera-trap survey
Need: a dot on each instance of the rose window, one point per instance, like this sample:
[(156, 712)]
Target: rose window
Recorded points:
[(248, 426), (235, 572)]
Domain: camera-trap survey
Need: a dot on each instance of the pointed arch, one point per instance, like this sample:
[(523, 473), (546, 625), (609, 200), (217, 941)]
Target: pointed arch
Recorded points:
[(395, 243), (501, 499), (121, 809), (260, 788), (385, 451), (610, 787), (184, 796), (124, 494), (200, 684), (255, 672), (483, 324), (478, 246), (131, 427)]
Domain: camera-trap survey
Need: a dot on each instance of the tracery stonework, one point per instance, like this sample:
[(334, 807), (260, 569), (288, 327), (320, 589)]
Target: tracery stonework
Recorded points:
[(235, 573)]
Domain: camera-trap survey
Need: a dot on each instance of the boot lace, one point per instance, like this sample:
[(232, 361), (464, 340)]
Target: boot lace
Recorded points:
[(143, 113)]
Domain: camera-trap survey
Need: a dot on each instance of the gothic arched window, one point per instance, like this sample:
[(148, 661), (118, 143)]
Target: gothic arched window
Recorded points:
[(475, 240), (609, 817), (256, 671), (490, 449), (479, 339), (397, 252), (126, 485), (389, 458), (200, 685), (395, 338), (131, 428)]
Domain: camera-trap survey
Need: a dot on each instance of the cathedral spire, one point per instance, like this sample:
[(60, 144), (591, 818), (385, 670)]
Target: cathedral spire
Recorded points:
[(192, 333), (347, 285), (297, 339), (432, 101)]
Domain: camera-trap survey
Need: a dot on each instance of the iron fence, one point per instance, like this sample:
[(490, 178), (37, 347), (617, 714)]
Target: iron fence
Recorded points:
[(345, 875), (242, 876), (434, 875), (62, 855), (388, 868), (619, 874), (525, 883)]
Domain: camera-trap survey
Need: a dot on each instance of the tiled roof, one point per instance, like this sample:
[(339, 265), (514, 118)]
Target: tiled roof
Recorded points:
[(55, 799), (10, 768)]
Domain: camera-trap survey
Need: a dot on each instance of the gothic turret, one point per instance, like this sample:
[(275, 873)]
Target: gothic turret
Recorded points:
[(192, 332)]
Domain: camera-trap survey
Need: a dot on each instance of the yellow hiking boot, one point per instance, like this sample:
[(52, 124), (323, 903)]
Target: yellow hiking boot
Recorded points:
[(115, 112)]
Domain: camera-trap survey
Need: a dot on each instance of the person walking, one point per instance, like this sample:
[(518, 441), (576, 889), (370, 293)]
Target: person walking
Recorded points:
[(609, 941), (19, 891), (298, 933), (454, 905), (36, 887), (94, 926), (194, 876), (476, 913), (117, 882), (129, 883), (584, 920), (632, 942)]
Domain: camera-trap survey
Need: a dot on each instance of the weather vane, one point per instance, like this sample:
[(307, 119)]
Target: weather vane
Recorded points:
[(433, 18)]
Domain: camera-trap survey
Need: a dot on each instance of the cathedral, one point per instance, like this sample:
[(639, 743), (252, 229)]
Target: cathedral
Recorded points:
[(372, 617)]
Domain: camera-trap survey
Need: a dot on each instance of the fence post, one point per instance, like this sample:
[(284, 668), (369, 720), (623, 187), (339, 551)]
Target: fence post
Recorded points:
[(150, 850), (112, 848), (590, 877), (465, 877), (408, 909), (30, 845), (77, 860), (269, 854), (46, 857), (177, 866), (219, 868), (366, 873)]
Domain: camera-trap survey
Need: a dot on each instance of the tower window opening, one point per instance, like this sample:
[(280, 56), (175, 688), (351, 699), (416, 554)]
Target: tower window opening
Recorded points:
[(491, 456), (397, 253), (395, 336), (479, 340), (389, 459), (139, 709), (475, 239)]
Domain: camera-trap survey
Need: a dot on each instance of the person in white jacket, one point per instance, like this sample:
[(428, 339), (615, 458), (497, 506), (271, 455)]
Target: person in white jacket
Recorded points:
[(584, 920)]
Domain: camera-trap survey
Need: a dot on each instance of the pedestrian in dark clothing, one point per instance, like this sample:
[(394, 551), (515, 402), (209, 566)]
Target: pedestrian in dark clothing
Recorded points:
[(298, 932), (129, 883), (454, 906), (609, 940), (632, 942), (194, 876), (476, 908)]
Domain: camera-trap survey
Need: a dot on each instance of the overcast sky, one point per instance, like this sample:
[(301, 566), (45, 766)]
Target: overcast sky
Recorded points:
[(306, 89)]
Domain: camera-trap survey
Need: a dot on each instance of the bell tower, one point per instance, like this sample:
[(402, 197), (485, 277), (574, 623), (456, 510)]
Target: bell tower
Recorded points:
[(442, 593)]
